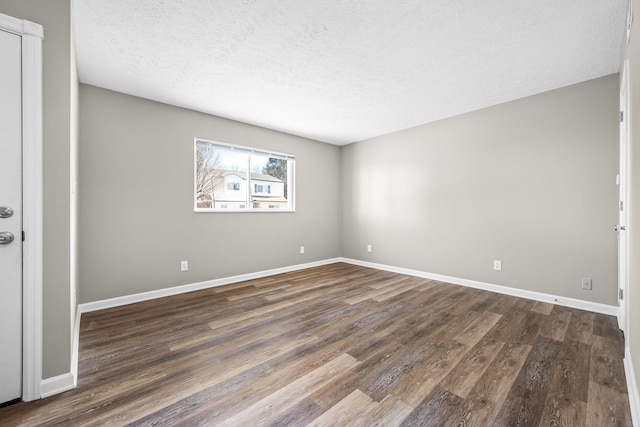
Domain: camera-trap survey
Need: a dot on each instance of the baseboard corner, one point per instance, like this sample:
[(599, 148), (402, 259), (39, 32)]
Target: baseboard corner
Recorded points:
[(58, 384)]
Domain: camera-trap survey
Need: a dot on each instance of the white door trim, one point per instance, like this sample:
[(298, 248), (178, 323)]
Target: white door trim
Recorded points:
[(32, 191), (623, 282)]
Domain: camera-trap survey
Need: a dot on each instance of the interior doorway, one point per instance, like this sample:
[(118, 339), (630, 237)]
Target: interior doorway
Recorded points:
[(21, 190)]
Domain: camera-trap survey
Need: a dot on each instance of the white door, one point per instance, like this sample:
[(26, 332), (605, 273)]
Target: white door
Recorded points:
[(10, 216), (621, 228)]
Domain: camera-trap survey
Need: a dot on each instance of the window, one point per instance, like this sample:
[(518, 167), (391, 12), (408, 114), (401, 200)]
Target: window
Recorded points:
[(262, 188), (242, 179)]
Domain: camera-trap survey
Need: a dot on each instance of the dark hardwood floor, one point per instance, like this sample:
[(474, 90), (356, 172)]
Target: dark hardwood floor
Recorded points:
[(342, 345)]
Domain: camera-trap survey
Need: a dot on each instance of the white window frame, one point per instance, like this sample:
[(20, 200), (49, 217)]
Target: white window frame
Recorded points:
[(291, 186)]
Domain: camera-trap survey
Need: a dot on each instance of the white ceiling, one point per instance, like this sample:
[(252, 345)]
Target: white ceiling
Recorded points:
[(341, 71)]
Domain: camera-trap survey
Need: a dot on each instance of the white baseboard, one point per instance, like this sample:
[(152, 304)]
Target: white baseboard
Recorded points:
[(57, 384), (632, 388), (176, 290), (68, 381), (537, 296)]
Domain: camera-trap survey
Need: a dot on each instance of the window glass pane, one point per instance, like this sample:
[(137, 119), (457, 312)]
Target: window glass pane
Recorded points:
[(221, 177), (230, 178), (269, 182)]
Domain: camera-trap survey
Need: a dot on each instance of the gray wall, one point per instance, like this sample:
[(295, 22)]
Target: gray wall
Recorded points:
[(59, 83), (136, 200), (530, 182), (632, 52)]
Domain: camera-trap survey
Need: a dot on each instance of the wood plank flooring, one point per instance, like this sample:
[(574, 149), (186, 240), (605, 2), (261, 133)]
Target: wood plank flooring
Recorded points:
[(341, 345)]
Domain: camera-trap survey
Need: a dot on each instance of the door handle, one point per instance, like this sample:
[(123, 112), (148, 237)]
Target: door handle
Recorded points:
[(5, 212), (6, 238), (619, 228)]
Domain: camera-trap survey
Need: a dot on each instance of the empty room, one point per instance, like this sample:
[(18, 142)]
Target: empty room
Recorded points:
[(323, 213)]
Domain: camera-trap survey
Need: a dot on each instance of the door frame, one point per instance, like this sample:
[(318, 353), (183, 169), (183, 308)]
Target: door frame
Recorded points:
[(623, 277), (31, 35)]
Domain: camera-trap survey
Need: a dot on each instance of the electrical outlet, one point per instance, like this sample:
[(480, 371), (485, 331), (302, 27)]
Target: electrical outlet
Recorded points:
[(587, 284), (497, 265), (184, 265), (301, 249), (369, 248)]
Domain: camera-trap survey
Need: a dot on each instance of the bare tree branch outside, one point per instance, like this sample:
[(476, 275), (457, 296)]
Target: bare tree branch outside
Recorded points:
[(209, 176)]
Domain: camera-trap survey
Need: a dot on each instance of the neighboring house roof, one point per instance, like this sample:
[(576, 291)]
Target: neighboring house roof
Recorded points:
[(254, 176)]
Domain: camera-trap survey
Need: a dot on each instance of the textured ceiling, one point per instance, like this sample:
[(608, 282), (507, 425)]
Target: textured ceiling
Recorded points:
[(341, 71)]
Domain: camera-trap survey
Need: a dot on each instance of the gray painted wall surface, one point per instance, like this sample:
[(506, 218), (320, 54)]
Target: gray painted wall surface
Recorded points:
[(632, 52), (136, 200), (529, 182), (54, 16)]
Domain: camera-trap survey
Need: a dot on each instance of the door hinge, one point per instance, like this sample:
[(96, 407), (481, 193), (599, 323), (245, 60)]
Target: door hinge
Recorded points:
[(621, 205), (23, 235), (621, 116), (620, 294)]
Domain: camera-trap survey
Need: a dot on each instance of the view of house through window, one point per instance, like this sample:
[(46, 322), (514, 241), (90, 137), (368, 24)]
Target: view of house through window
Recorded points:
[(230, 177)]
